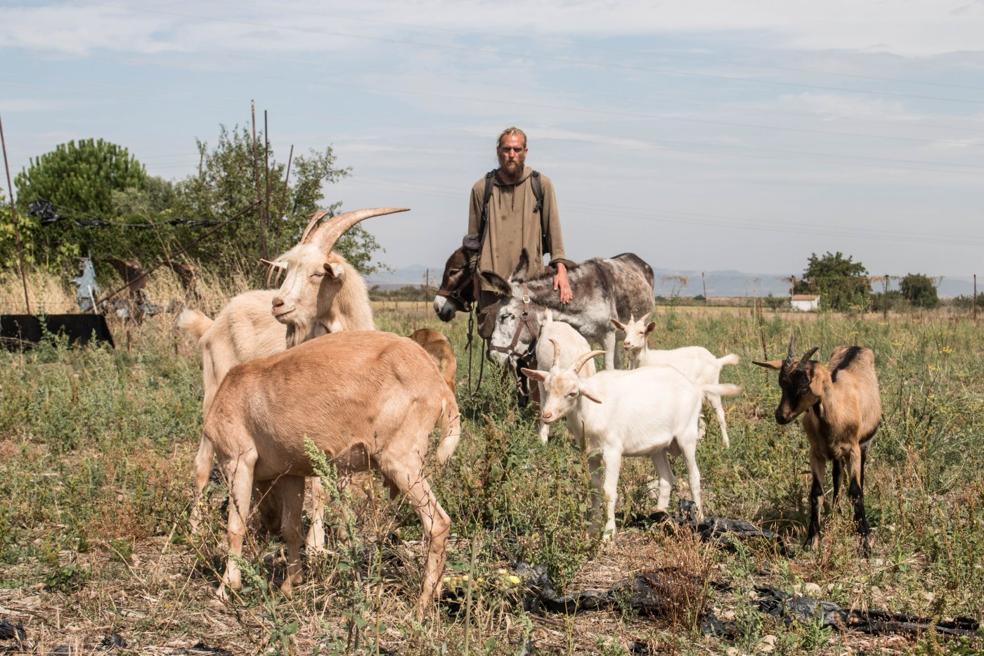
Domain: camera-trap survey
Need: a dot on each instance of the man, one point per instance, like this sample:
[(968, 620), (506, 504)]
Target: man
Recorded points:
[(514, 221)]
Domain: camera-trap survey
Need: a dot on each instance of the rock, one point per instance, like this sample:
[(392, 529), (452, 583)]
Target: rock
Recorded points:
[(812, 590), (766, 645)]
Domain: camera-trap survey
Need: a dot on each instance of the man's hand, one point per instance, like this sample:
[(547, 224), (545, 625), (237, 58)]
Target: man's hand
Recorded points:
[(562, 284)]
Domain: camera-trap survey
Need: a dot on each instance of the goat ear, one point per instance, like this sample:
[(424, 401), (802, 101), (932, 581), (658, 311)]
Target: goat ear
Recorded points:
[(618, 324), (534, 374), (771, 364), (334, 270), (590, 395), (496, 281), (650, 327)]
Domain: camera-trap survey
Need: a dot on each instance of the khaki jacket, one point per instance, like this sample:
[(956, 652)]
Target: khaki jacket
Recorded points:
[(513, 225)]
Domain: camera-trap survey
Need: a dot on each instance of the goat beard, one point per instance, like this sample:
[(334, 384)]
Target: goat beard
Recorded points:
[(294, 336)]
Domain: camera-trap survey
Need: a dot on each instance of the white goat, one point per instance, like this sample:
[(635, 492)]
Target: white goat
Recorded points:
[(368, 399), (695, 362), (638, 412), (315, 277), (558, 344)]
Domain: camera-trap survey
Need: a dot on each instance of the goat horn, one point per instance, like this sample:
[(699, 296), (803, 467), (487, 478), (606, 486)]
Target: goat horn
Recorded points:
[(789, 350), (271, 267), (809, 354), (581, 361), (326, 233), (556, 348), (645, 318)]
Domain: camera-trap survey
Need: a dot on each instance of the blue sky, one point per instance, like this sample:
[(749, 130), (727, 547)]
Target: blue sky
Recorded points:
[(702, 135)]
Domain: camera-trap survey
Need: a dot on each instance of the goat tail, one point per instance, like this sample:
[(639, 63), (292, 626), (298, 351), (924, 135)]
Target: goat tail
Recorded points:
[(450, 424), (193, 322), (721, 389), (730, 358)]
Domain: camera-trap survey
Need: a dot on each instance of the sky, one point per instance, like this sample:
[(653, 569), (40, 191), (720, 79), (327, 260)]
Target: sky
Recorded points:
[(705, 135)]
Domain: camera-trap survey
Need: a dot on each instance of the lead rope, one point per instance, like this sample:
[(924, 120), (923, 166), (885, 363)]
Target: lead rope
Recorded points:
[(468, 347)]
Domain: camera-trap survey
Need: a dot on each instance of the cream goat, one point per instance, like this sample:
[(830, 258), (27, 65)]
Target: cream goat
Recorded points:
[(368, 399), (695, 362), (320, 289)]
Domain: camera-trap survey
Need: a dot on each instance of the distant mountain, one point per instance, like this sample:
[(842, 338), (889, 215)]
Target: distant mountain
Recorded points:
[(671, 282)]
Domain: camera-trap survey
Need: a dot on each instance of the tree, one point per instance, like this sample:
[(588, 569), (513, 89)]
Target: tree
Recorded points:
[(841, 283), (79, 180), (225, 190), (919, 290)]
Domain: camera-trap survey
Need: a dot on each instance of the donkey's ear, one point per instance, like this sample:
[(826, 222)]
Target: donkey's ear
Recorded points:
[(519, 273), (496, 282)]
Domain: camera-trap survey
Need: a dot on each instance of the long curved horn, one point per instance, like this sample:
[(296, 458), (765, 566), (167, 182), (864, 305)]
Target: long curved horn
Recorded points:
[(581, 361), (312, 224), (326, 233), (556, 348)]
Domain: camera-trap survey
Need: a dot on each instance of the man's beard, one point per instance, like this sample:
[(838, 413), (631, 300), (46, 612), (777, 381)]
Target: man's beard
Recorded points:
[(512, 167)]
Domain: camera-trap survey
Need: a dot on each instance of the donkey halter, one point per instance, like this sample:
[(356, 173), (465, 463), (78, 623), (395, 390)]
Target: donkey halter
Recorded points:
[(527, 322)]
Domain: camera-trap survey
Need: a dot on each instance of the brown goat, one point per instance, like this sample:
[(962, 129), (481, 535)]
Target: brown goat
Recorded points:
[(841, 408), (368, 399), (439, 348)]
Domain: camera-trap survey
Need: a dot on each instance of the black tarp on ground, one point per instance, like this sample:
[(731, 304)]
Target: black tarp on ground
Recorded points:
[(20, 331)]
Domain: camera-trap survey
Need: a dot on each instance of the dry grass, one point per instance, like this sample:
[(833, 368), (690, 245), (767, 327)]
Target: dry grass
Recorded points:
[(95, 459)]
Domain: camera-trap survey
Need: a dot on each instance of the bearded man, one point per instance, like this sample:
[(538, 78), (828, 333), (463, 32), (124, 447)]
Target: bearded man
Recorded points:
[(514, 208)]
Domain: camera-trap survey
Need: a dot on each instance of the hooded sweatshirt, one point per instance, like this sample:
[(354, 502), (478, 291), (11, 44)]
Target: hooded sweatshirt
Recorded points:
[(514, 225)]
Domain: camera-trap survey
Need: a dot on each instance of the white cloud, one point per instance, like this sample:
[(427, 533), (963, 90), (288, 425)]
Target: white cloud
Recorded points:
[(832, 106), (14, 105), (905, 27)]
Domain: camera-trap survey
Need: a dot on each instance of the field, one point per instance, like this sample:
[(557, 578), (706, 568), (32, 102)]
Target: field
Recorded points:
[(96, 447)]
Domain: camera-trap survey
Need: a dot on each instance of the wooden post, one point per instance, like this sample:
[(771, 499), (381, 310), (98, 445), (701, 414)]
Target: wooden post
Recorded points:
[(975, 298), (266, 168), (256, 181), (885, 298), (13, 218)]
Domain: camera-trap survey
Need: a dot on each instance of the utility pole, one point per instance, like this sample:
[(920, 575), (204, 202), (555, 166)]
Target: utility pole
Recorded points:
[(703, 286), (13, 217)]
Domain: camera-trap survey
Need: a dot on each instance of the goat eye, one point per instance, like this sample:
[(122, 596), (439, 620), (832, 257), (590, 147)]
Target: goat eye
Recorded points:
[(572, 394)]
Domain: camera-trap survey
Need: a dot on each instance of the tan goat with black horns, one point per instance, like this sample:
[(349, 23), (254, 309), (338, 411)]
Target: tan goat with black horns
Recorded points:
[(841, 408)]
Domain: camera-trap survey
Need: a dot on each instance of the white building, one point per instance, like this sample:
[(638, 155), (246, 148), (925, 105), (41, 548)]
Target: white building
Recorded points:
[(805, 302)]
